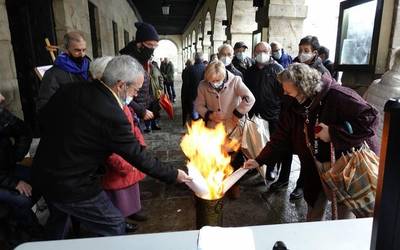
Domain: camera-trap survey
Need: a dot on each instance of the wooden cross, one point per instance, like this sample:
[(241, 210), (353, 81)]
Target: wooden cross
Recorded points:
[(51, 49)]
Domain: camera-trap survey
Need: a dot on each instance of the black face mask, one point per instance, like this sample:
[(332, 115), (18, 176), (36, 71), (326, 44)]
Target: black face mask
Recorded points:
[(77, 60), (145, 53)]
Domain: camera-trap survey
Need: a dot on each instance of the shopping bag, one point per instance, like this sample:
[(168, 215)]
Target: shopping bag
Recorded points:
[(255, 137), (166, 104)]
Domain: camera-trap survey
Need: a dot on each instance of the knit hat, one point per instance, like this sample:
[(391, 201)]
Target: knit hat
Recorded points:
[(145, 32)]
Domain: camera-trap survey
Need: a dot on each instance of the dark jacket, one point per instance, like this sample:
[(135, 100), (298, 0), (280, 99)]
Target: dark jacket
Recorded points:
[(168, 72), (316, 64), (266, 89), (339, 104), (11, 127), (189, 93), (244, 65), (143, 100), (285, 59), (186, 104), (52, 80), (82, 127), (328, 64), (231, 68)]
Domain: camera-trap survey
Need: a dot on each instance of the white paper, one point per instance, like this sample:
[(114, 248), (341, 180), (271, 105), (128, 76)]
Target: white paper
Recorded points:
[(233, 178), (228, 238), (40, 70), (199, 185)]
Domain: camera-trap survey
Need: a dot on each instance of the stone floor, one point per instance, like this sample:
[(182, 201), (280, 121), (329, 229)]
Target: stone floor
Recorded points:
[(171, 207)]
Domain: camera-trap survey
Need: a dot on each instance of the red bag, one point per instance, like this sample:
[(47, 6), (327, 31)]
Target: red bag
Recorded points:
[(166, 104)]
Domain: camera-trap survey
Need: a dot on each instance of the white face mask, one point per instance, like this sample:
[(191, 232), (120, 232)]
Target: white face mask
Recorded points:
[(277, 55), (217, 84), (128, 99), (304, 57), (240, 56), (226, 60), (262, 58)]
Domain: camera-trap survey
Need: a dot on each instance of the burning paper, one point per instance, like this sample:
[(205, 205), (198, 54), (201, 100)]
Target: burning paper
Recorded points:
[(209, 162)]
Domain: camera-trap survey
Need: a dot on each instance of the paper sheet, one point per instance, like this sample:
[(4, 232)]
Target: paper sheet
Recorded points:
[(199, 186), (219, 238)]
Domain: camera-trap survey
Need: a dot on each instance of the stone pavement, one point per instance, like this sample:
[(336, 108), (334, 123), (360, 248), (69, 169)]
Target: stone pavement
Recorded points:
[(171, 207)]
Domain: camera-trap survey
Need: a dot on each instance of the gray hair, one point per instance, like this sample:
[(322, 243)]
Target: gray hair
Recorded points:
[(225, 46), (198, 56), (265, 44), (122, 68), (305, 78), (98, 65), (276, 44), (72, 36)]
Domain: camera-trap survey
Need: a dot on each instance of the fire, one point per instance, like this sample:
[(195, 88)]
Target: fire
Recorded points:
[(207, 150)]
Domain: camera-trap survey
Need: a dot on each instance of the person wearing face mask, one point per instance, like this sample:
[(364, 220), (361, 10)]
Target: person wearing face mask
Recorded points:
[(223, 98), (318, 101), (70, 66), (225, 54), (84, 123), (240, 60), (280, 55), (308, 54), (261, 80), (142, 50)]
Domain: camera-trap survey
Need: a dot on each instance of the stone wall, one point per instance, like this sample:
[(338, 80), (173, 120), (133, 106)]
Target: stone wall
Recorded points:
[(8, 76), (74, 15)]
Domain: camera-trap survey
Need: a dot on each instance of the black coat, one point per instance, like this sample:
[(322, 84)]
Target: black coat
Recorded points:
[(244, 65), (195, 75), (266, 89), (52, 80), (316, 64), (186, 105), (11, 127), (231, 68), (82, 125)]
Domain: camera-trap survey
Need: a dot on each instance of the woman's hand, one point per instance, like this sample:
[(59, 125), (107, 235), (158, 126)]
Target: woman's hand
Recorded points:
[(250, 164), (323, 135), (217, 116)]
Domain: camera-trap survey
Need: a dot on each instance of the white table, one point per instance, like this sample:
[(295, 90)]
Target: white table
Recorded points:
[(352, 234)]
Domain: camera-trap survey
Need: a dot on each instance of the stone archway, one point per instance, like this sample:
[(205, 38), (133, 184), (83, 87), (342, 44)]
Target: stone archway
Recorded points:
[(219, 35), (169, 48), (207, 30), (199, 41), (243, 22)]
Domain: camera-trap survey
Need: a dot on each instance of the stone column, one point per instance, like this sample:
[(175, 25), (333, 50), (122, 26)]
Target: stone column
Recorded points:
[(217, 43), (286, 23), (243, 22), (8, 76)]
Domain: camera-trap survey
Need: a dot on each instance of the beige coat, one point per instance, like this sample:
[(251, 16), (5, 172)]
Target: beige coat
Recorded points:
[(235, 97)]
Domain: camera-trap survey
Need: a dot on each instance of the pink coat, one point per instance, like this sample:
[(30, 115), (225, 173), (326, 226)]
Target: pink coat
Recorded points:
[(120, 173)]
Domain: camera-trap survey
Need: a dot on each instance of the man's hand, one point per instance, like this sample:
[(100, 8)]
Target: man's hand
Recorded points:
[(183, 177), (148, 115), (24, 188), (250, 164), (217, 116), (324, 133)]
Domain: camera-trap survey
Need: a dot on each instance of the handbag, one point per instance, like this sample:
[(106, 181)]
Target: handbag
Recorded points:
[(351, 180), (166, 104)]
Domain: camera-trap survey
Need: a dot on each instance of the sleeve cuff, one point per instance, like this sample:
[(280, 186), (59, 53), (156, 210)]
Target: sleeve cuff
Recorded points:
[(237, 114)]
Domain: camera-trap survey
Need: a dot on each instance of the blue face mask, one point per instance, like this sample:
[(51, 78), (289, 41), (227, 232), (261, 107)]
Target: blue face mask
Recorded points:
[(128, 99), (217, 85), (277, 55), (240, 56)]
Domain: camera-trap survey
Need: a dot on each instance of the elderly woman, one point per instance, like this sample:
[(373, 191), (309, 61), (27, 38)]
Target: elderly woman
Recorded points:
[(345, 118), (121, 181), (223, 97)]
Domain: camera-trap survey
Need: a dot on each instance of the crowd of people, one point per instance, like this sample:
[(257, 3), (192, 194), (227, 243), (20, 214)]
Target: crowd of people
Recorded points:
[(92, 114)]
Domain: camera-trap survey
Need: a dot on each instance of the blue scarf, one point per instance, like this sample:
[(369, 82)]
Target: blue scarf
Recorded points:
[(64, 62)]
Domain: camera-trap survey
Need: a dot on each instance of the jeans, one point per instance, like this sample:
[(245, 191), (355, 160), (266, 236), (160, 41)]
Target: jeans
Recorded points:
[(98, 214), (170, 90)]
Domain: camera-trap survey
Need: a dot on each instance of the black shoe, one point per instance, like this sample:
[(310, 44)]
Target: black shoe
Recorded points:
[(277, 186), (297, 194), (279, 245), (270, 176), (147, 130), (130, 227), (139, 216), (155, 127)]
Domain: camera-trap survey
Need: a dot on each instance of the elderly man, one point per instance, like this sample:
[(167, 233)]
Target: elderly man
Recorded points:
[(280, 55), (225, 55), (241, 61), (70, 66), (261, 80), (83, 124)]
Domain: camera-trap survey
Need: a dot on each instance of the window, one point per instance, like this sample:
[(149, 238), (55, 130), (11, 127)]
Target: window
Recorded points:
[(126, 37), (115, 34), (95, 30)]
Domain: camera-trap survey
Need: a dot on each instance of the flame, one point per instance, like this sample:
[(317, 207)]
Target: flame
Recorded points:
[(207, 150)]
